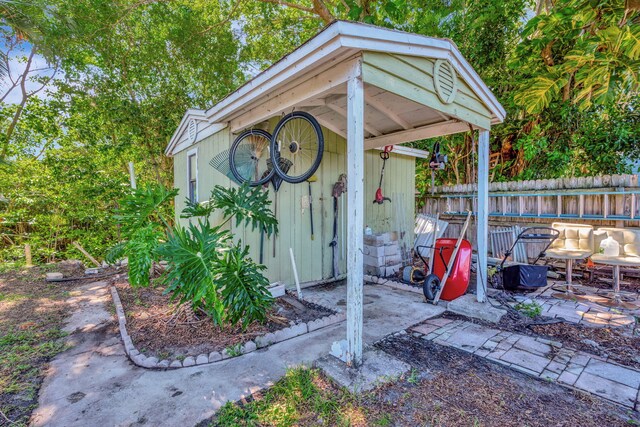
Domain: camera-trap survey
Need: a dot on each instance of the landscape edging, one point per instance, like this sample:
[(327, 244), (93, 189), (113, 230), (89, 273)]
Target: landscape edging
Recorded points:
[(261, 341)]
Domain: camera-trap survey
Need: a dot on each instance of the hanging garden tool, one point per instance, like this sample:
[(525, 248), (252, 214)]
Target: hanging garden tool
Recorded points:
[(311, 179), (338, 188), (384, 155)]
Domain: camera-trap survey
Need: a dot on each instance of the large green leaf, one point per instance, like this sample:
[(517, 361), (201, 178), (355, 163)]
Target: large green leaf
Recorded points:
[(192, 254), (245, 293)]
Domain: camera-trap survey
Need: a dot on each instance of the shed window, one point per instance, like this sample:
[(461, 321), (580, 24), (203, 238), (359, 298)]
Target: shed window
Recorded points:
[(192, 167)]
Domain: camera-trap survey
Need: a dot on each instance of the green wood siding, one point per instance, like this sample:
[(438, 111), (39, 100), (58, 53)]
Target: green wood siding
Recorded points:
[(313, 257), (412, 78)]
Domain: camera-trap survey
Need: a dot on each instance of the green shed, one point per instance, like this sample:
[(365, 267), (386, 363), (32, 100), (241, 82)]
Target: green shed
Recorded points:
[(368, 87)]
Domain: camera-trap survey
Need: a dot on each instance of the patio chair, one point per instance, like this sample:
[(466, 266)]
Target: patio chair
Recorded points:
[(629, 256), (574, 243)]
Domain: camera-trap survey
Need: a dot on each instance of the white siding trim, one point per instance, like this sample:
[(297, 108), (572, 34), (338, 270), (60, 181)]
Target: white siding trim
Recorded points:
[(193, 151)]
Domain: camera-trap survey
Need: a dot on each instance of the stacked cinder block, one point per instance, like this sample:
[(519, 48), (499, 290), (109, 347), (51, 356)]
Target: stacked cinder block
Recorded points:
[(382, 254)]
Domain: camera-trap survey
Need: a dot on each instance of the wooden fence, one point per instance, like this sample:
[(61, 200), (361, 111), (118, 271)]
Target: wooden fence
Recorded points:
[(610, 200)]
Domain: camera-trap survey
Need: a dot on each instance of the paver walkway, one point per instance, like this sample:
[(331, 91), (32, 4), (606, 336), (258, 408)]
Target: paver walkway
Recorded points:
[(584, 310), (538, 357)]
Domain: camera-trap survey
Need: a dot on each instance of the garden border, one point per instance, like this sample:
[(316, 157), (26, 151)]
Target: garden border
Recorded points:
[(261, 341)]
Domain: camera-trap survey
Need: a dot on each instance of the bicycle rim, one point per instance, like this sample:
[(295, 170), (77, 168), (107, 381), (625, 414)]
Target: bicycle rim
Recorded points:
[(249, 157), (297, 140)]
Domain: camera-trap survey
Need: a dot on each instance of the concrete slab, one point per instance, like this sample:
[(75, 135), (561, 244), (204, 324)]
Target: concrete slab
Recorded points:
[(386, 310), (626, 376), (116, 392), (377, 368), (467, 305), (471, 338), (525, 359), (606, 388)]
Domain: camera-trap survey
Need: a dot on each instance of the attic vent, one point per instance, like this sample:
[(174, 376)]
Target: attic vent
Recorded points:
[(445, 81), (193, 130)]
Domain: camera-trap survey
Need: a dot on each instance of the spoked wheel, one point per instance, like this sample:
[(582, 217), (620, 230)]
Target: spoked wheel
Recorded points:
[(297, 140), (249, 158)]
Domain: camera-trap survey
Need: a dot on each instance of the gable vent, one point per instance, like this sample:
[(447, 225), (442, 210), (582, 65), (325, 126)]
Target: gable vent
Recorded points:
[(445, 81), (192, 130)]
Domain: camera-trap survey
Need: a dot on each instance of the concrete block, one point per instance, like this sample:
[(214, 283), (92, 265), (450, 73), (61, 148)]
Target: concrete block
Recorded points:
[(214, 356), (374, 251), (549, 375), (248, 347), (377, 367), (189, 361), (467, 305), (53, 276), (286, 334), (176, 364), (202, 359), (391, 250), (567, 378), (532, 346), (163, 364), (526, 360), (617, 373), (139, 359), (277, 289), (133, 353), (150, 362), (607, 388), (374, 240), (265, 340)]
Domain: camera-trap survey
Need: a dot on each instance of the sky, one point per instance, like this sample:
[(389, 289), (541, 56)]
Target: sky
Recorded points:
[(17, 64)]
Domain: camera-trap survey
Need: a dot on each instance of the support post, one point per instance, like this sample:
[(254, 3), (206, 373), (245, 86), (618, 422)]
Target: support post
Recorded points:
[(355, 225), (483, 214)]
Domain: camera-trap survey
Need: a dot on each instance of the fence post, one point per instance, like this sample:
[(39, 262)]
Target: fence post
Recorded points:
[(27, 255)]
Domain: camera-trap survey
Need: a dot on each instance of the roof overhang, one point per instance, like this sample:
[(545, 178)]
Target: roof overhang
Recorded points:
[(331, 58)]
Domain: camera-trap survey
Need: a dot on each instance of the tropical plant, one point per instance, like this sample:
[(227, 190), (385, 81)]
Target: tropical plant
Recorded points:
[(143, 227), (210, 272)]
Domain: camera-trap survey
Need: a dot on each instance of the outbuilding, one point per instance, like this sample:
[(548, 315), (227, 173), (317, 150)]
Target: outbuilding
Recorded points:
[(368, 87)]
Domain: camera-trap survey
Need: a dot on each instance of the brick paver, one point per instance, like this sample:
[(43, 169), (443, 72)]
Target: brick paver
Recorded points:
[(538, 357)]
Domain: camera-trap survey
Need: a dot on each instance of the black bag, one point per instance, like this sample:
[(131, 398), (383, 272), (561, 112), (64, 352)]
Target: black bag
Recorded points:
[(524, 276)]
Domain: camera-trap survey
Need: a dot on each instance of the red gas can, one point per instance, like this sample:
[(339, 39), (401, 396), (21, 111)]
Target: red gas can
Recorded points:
[(458, 280)]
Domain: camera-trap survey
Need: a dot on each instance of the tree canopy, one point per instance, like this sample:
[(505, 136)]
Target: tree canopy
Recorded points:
[(109, 80)]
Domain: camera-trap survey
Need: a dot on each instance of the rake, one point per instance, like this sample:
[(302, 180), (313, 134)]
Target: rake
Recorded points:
[(221, 163)]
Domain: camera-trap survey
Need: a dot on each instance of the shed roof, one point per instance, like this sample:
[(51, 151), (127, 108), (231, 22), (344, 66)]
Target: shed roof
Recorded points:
[(313, 78)]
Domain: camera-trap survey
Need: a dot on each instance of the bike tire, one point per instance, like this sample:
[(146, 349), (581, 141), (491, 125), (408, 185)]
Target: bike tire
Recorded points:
[(290, 176)]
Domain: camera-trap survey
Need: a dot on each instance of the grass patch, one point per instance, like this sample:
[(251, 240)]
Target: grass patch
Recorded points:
[(302, 398), (32, 312)]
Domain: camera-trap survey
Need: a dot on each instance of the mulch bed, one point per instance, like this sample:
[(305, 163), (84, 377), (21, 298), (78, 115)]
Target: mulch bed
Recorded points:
[(32, 311), (156, 330)]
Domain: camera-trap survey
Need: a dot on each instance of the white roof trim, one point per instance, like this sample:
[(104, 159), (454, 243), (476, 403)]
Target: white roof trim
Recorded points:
[(335, 41), (341, 36)]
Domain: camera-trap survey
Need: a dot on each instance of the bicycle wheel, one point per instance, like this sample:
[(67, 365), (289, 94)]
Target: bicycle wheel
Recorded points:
[(249, 157), (297, 139)]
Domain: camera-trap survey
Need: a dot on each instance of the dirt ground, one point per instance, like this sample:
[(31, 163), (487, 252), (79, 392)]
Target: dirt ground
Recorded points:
[(156, 330), (32, 312), (445, 387), (456, 388)]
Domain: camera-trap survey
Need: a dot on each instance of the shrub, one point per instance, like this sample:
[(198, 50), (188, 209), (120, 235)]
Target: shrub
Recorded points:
[(208, 270), (143, 226)]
